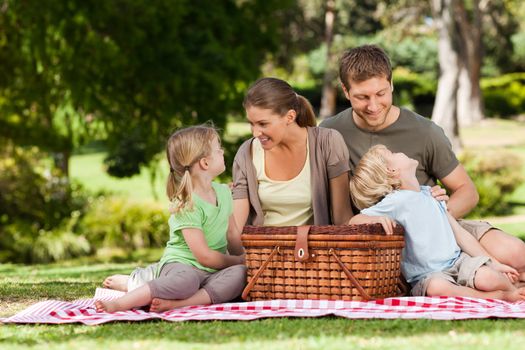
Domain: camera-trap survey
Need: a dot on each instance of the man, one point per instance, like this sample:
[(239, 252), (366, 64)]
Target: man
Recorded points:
[(366, 80)]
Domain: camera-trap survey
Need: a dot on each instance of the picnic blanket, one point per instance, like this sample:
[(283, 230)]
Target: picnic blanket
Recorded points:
[(438, 308)]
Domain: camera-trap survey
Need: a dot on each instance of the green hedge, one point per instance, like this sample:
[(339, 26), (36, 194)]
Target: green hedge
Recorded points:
[(504, 96), (496, 175)]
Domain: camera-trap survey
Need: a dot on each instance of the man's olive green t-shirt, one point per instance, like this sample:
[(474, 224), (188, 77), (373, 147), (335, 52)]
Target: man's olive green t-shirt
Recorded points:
[(416, 136)]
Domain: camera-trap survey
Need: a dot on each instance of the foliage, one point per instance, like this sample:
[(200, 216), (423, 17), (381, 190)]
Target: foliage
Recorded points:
[(36, 205), (121, 223), (496, 175), (136, 69), (505, 95)]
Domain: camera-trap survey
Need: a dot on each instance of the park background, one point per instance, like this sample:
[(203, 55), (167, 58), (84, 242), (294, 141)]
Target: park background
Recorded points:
[(90, 90)]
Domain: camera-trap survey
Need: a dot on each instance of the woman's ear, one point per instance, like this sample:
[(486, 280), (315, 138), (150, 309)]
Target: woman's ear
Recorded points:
[(290, 116)]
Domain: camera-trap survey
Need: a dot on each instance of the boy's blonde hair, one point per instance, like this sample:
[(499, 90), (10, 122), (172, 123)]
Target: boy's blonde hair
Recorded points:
[(185, 148), (372, 180)]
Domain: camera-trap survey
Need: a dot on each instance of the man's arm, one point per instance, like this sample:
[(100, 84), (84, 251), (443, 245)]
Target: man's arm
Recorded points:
[(462, 192)]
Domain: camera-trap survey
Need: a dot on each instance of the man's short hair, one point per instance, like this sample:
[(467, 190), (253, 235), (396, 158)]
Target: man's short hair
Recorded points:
[(362, 63)]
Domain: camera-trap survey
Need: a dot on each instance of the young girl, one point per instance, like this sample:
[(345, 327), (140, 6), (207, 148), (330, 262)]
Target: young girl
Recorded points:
[(195, 268), (385, 187)]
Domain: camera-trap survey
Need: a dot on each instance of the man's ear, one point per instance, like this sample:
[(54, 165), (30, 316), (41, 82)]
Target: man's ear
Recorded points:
[(345, 91), (392, 84)]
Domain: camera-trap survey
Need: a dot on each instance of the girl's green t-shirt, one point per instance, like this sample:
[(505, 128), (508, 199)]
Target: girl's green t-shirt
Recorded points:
[(211, 219)]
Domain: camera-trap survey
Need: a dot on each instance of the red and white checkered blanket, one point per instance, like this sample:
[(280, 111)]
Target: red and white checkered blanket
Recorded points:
[(439, 308)]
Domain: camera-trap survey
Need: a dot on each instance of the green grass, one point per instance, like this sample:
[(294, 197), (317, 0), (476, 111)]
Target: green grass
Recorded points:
[(23, 285)]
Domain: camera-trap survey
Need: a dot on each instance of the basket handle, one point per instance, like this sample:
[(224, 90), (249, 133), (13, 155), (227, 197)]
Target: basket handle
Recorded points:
[(261, 269), (301, 244), (351, 277)]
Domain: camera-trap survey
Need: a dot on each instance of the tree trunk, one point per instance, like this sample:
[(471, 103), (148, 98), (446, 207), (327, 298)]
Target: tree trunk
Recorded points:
[(329, 96), (444, 112), (470, 104)]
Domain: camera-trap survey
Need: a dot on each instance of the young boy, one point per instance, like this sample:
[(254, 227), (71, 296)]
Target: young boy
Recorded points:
[(440, 257)]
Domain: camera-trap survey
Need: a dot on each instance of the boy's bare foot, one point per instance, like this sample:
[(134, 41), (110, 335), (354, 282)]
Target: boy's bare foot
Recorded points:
[(106, 306), (117, 282), (517, 294), (161, 305)]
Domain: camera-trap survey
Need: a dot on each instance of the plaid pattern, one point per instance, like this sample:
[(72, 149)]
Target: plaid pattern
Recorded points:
[(439, 308)]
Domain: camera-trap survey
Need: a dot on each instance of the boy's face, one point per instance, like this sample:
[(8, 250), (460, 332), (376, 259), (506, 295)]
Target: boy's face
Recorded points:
[(399, 161), (371, 102)]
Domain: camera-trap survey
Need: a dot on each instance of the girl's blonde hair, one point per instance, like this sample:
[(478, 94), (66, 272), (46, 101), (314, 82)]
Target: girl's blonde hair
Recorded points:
[(372, 180), (185, 148)]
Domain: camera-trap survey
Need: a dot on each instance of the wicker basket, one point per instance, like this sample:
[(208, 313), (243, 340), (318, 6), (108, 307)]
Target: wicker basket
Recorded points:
[(355, 262)]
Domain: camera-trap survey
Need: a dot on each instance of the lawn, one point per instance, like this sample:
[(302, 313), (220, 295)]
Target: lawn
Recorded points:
[(23, 285)]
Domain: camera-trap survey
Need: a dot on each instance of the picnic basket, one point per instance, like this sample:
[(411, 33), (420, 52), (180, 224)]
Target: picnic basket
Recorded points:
[(350, 262)]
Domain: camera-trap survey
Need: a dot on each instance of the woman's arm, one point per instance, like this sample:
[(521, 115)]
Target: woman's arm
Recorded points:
[(206, 256), (234, 237), (340, 199)]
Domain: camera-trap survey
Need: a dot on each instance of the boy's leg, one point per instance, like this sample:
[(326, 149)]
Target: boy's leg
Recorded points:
[(441, 287), (136, 298), (487, 279), (508, 249)]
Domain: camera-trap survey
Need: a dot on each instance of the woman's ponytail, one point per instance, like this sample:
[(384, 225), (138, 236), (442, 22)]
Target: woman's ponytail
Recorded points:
[(305, 112)]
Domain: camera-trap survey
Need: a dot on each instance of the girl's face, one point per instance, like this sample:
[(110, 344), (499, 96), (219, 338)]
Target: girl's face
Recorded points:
[(216, 158), (267, 126), (400, 162)]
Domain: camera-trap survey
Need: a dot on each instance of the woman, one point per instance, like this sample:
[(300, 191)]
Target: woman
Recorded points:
[(290, 172)]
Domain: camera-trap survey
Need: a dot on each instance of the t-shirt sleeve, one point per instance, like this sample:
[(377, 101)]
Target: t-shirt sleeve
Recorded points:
[(441, 159), (336, 153), (239, 175), (387, 207), (185, 218)]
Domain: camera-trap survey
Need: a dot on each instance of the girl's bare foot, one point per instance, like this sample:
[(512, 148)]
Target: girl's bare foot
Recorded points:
[(117, 282), (106, 306), (161, 305)]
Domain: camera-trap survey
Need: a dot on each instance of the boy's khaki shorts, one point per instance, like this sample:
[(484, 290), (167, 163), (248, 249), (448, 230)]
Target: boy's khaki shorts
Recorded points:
[(462, 273), (476, 228)]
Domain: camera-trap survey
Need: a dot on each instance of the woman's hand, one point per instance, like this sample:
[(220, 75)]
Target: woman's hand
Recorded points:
[(387, 222)]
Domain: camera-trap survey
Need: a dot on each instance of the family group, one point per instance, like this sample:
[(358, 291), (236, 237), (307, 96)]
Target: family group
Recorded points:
[(372, 163)]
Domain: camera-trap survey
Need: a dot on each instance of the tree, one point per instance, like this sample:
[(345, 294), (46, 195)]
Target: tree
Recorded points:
[(127, 71)]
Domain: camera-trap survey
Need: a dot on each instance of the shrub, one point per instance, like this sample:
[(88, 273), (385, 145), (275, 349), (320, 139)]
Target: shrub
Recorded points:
[(504, 96), (38, 209), (496, 175), (119, 222)]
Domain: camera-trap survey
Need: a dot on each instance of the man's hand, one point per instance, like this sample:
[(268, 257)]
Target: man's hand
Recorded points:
[(439, 193)]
